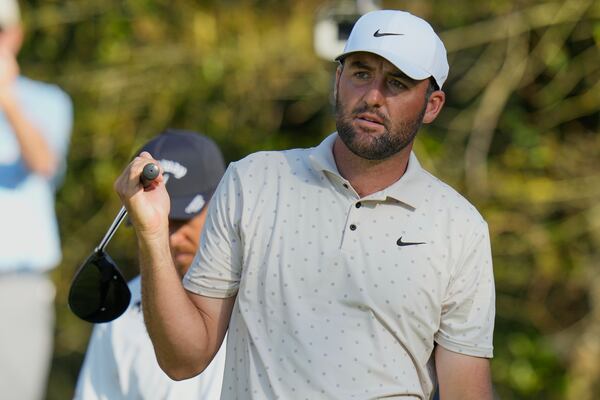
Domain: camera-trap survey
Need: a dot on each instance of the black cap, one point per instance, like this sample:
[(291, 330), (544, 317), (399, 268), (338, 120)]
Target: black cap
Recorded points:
[(193, 166)]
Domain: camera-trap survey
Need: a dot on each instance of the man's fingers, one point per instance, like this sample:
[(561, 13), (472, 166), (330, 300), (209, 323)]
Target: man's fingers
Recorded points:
[(148, 175), (128, 183), (130, 180), (145, 154)]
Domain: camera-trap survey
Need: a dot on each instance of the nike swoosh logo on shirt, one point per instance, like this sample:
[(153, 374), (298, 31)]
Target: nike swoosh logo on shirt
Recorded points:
[(401, 243)]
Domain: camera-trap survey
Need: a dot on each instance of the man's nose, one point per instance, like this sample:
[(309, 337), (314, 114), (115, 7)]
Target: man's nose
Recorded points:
[(175, 237), (374, 95)]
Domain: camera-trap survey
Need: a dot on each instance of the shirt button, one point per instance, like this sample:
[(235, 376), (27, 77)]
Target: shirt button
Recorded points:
[(346, 185), (352, 227), (358, 204)]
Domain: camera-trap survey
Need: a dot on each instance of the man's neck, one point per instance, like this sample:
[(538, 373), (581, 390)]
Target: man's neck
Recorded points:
[(369, 176)]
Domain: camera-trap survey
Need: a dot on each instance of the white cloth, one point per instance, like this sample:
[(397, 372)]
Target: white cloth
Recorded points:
[(26, 335), (120, 364), (342, 297)]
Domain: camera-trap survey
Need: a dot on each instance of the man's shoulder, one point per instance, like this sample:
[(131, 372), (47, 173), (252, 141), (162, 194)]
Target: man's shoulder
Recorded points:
[(272, 156), (135, 287), (446, 195), (271, 162)]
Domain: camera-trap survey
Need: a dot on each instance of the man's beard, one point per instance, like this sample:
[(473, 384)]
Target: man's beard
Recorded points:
[(391, 141)]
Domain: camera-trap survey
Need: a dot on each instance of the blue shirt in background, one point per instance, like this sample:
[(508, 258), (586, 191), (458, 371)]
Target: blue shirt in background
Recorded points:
[(29, 237)]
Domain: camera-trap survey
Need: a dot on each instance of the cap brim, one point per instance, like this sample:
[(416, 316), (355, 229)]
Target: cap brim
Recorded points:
[(403, 65), (183, 209)]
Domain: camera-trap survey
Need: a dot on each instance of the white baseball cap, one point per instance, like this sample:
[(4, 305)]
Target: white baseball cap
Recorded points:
[(9, 13), (403, 39)]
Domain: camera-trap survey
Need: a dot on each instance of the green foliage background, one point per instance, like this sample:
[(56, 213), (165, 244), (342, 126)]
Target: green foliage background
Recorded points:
[(518, 136)]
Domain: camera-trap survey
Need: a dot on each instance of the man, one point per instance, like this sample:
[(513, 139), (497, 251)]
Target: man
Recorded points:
[(343, 271), (35, 128), (120, 361)]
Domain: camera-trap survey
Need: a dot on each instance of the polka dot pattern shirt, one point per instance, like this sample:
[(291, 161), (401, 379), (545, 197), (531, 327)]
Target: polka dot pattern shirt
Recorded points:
[(342, 297)]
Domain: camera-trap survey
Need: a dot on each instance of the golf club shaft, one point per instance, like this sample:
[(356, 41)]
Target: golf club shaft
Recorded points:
[(112, 229), (149, 173)]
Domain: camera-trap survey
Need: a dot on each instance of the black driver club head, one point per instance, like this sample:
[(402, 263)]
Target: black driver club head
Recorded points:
[(99, 293)]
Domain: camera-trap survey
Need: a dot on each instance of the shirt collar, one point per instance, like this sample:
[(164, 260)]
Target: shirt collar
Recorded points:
[(321, 156), (410, 189)]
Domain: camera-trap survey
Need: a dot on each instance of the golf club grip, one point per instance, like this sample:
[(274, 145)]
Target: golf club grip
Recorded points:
[(149, 173)]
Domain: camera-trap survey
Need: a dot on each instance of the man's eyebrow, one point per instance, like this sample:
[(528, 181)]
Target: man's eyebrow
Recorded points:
[(396, 74), (401, 75), (360, 64)]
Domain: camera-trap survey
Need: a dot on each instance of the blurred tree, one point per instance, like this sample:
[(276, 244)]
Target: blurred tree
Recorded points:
[(519, 134)]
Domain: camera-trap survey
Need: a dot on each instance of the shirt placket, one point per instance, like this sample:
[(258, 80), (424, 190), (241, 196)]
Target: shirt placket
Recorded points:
[(355, 214)]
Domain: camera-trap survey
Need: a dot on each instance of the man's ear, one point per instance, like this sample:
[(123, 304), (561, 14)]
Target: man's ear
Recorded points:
[(434, 106), (338, 73)]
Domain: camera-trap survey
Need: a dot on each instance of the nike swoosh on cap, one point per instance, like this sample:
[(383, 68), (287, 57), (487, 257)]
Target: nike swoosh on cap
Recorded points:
[(381, 34)]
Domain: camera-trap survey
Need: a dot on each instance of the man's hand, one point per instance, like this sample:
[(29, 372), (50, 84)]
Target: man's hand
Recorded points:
[(149, 207), (9, 68)]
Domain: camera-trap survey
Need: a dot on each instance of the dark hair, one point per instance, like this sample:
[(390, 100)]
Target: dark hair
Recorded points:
[(433, 86)]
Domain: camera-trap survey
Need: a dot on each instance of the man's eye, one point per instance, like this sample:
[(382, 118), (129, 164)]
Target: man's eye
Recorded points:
[(361, 75), (396, 84)]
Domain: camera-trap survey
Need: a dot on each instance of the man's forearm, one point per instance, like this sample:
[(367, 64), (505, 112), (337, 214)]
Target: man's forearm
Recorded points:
[(36, 152), (176, 327)]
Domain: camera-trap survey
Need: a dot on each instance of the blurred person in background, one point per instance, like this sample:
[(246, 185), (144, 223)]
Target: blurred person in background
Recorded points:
[(35, 128), (120, 362)]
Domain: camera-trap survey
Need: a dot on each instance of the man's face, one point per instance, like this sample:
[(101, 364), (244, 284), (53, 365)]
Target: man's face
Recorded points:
[(184, 238), (378, 109)]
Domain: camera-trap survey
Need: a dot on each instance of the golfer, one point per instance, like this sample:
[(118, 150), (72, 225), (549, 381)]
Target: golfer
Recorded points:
[(343, 271), (120, 362)]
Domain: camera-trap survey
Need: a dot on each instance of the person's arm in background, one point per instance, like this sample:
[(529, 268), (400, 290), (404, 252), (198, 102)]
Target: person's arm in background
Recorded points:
[(462, 377), (186, 329), (35, 150)]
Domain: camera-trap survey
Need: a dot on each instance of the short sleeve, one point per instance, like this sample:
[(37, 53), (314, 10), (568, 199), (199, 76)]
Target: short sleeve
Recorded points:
[(468, 310), (216, 269)]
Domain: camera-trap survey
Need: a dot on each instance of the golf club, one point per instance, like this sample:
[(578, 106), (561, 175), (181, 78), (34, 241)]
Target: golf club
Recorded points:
[(99, 293)]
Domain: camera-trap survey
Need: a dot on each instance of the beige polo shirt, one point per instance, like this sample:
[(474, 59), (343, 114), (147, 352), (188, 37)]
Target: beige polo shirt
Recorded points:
[(341, 297)]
